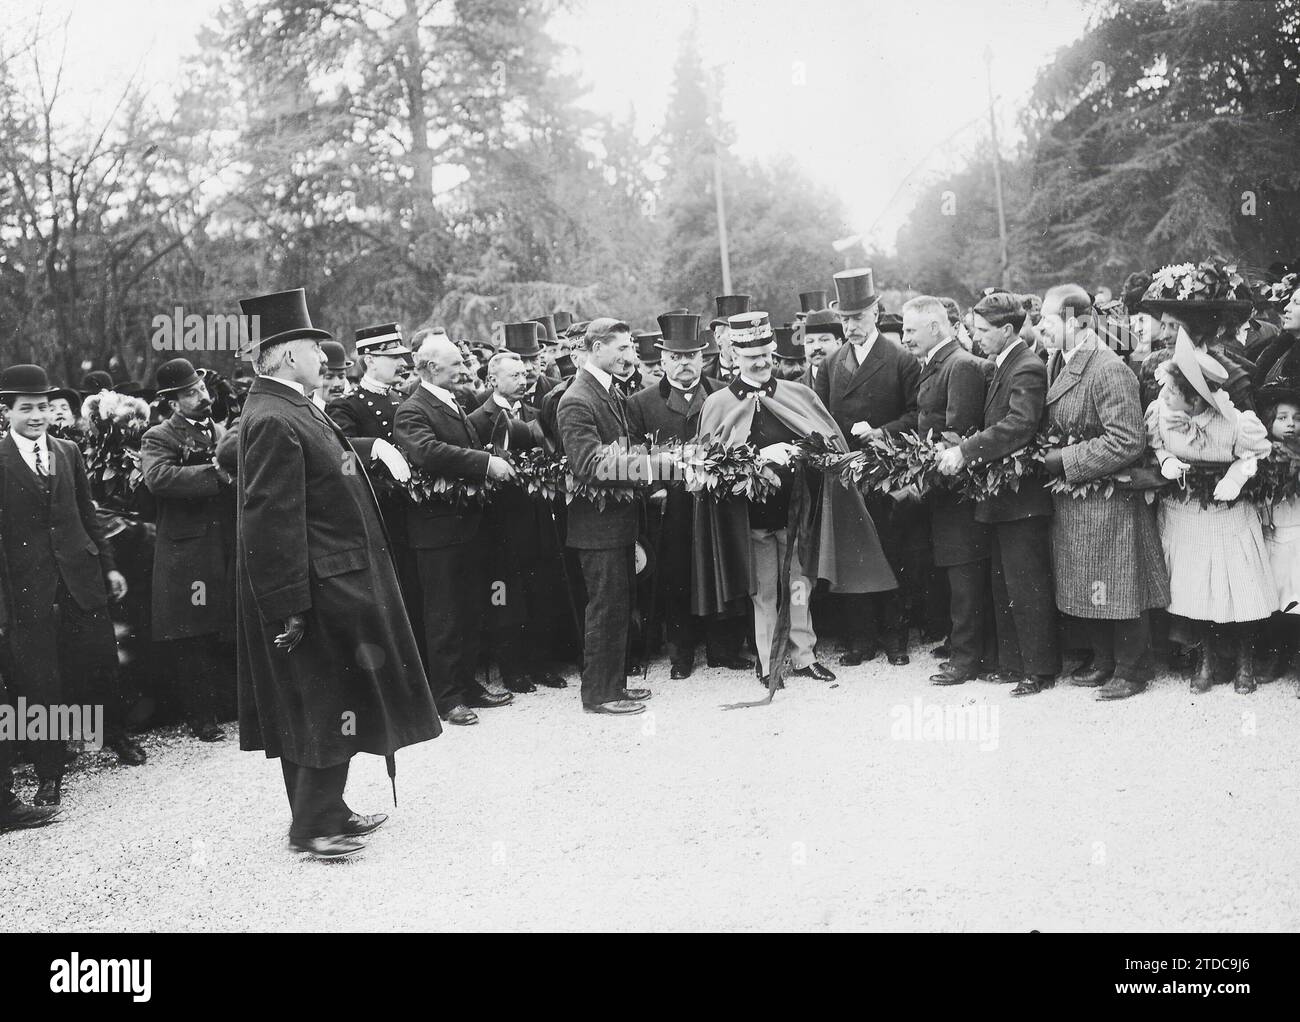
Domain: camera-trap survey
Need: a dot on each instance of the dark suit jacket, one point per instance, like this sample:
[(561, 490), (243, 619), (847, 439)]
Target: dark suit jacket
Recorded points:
[(1013, 413), (881, 392), (951, 397), (438, 440), (196, 531), (589, 420), (50, 536)]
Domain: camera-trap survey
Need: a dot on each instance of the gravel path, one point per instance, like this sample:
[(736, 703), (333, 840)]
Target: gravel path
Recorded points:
[(1168, 811)]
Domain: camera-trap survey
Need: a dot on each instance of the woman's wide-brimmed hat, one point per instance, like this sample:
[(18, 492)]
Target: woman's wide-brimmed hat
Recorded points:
[(1200, 369), (1213, 286)]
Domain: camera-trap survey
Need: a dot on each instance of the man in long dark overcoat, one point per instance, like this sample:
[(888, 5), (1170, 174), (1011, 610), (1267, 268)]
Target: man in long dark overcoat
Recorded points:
[(328, 665)]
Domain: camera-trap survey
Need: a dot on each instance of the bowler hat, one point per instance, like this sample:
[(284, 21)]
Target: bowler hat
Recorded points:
[(336, 357), (26, 379), (69, 395), (812, 301), (381, 339), (787, 345), (521, 338), (890, 323), (647, 346), (855, 291), (177, 375), (279, 317), (823, 321), (94, 382), (681, 333), (731, 305)]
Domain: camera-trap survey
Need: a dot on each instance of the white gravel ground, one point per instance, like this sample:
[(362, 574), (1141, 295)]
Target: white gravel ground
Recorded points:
[(1168, 811)]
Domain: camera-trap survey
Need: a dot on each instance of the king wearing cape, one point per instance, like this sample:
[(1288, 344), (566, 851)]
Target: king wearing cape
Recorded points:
[(742, 549)]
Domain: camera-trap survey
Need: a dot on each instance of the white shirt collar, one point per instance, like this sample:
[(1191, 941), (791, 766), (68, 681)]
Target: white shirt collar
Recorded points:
[(445, 396), (601, 377), (318, 401), (686, 392), (27, 448), (1069, 353), (503, 403), (291, 384), (863, 348), (929, 355), (1005, 353), (374, 386)]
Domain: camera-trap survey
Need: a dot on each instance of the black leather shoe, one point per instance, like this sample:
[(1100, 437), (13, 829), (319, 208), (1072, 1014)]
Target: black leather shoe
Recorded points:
[(815, 670), (942, 651), (1045, 681), (549, 679), (899, 659), (1119, 688), (856, 655), (1092, 677), (334, 846), (679, 672), (208, 731), (129, 751), (356, 824), (1005, 678), (637, 695), (489, 699), (1028, 687), (731, 663), (951, 677), (49, 792), (621, 707), (21, 816), (521, 685), (461, 714)]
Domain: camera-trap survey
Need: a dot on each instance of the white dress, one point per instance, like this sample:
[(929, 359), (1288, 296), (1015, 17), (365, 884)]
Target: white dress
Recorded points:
[(1283, 542)]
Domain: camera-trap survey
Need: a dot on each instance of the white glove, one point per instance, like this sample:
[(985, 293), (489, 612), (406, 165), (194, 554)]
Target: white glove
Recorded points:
[(1172, 468), (392, 459), (862, 429), (1229, 487), (778, 454)]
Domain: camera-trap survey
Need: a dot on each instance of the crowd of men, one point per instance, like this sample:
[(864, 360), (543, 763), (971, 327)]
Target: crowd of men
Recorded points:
[(361, 619)]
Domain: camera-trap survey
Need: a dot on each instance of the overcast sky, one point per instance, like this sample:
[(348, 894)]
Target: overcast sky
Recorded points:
[(868, 97)]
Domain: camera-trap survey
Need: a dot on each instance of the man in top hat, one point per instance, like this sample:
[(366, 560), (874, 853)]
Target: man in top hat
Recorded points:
[(649, 360), (521, 560), (950, 399), (522, 339), (61, 647), (548, 339), (870, 387), (1108, 564), (1024, 605), (810, 302), (328, 666), (790, 362), (450, 542), (593, 426), (334, 378), (741, 547), (726, 307), (564, 321), (194, 556), (822, 337), (669, 413)]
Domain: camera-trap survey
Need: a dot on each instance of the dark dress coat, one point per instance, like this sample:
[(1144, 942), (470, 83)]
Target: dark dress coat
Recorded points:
[(310, 541), (882, 391), (1013, 413), (950, 397), (1106, 551), (196, 531)]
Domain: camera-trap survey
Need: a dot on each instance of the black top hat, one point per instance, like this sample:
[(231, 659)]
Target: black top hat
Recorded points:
[(710, 343), (647, 346), (823, 321), (750, 330), (890, 323), (731, 305), (812, 301), (521, 338), (279, 317), (681, 332), (94, 382), (381, 339), (336, 358), (855, 291), (678, 312), (563, 319), (787, 345), (177, 375), (548, 335)]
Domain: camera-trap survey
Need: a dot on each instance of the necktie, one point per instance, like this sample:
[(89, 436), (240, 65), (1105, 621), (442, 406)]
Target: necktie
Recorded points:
[(1058, 360), (40, 465)]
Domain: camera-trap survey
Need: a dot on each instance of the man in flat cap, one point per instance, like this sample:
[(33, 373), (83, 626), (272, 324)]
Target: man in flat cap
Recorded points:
[(328, 666), (194, 556)]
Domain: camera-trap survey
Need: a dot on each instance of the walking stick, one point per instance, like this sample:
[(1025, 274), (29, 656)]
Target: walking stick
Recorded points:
[(649, 622)]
